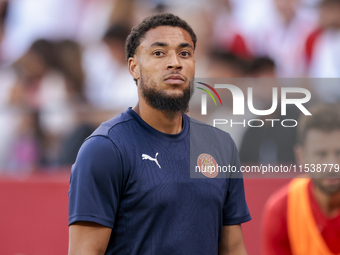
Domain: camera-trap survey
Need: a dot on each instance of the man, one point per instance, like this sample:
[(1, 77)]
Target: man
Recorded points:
[(103, 88), (321, 48), (304, 217), (131, 191)]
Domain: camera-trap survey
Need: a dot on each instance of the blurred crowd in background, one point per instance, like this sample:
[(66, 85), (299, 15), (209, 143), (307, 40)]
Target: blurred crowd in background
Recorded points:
[(63, 69)]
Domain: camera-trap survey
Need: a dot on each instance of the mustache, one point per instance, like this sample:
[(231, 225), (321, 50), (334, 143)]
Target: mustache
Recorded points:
[(175, 73)]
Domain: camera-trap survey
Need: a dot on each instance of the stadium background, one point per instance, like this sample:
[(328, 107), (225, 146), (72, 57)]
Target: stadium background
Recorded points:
[(63, 71)]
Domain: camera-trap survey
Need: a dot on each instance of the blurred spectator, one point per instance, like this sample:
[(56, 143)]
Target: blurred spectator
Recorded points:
[(322, 45), (109, 85), (284, 36), (41, 94), (223, 64), (86, 117), (69, 63), (228, 32), (262, 67), (39, 81)]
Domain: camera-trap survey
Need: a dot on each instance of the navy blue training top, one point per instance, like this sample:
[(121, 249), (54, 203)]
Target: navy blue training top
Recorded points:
[(136, 180)]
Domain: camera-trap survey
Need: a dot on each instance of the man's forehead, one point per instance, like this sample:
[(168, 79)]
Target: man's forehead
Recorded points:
[(316, 138), (166, 34)]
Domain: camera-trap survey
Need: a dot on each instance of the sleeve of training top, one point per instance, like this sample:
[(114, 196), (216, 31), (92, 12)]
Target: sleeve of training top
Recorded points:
[(235, 209), (96, 182), (274, 225)]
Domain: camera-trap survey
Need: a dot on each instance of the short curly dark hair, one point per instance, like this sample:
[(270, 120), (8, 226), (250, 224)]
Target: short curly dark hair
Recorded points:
[(157, 20)]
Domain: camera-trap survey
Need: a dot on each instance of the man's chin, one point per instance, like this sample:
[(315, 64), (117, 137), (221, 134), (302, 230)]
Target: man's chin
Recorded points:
[(174, 94), (328, 185), (172, 100)]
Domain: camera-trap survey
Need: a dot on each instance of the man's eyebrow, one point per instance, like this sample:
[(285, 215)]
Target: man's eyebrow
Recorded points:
[(160, 44), (184, 45)]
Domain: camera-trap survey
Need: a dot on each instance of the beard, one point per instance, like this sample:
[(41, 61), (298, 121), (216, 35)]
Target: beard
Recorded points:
[(326, 189), (170, 105)]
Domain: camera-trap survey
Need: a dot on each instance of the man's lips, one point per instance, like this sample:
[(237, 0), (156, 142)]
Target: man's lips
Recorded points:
[(175, 79)]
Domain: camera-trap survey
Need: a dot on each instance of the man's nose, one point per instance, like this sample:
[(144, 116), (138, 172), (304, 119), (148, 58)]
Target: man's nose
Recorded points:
[(174, 62)]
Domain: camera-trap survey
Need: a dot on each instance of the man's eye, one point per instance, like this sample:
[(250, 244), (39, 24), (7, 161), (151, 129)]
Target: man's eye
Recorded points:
[(158, 53), (321, 154), (185, 54)]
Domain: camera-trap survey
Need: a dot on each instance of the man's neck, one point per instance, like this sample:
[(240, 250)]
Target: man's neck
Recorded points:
[(159, 120), (330, 204)]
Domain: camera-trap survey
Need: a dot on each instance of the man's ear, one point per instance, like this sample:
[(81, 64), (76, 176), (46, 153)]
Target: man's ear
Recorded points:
[(134, 67), (299, 154)]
